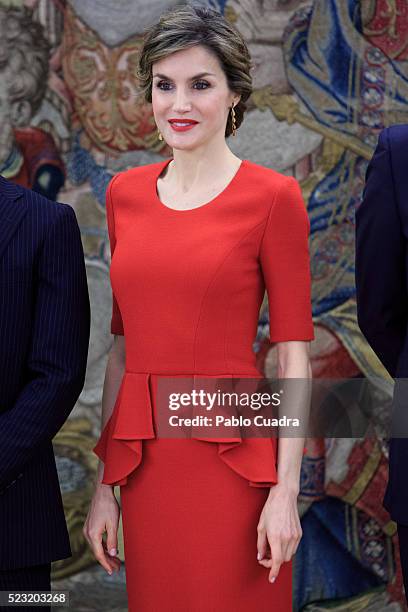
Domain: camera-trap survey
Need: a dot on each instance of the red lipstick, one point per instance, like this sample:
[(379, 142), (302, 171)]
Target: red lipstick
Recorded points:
[(182, 125)]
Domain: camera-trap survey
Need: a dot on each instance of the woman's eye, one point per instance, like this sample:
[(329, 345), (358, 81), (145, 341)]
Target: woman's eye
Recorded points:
[(165, 85), (202, 83), (160, 83)]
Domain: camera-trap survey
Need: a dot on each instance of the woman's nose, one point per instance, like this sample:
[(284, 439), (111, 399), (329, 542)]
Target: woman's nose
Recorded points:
[(182, 101)]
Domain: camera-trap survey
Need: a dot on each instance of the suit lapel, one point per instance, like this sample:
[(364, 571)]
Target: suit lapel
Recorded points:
[(13, 207)]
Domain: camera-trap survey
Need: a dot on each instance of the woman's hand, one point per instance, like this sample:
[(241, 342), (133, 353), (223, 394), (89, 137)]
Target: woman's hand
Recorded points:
[(103, 516), (279, 527)]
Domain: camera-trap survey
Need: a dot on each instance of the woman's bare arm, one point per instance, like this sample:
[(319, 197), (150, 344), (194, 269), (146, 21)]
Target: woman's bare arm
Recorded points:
[(293, 362), (104, 513), (113, 377), (279, 524)]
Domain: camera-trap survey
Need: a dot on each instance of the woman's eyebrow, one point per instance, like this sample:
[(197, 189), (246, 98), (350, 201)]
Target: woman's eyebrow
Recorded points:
[(197, 76)]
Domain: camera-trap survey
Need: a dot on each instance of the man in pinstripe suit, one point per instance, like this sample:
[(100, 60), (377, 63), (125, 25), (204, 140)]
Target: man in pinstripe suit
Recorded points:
[(44, 336), (382, 301)]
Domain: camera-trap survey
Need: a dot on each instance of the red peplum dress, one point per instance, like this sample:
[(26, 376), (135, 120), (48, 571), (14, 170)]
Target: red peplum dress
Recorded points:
[(187, 289)]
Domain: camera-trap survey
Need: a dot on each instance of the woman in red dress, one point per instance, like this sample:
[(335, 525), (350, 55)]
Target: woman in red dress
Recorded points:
[(208, 524)]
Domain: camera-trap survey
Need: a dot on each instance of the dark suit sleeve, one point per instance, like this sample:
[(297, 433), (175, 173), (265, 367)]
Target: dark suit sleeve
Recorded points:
[(380, 261), (56, 362)]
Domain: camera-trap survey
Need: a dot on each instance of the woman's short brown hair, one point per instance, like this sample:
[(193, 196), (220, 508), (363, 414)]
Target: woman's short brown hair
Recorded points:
[(187, 25)]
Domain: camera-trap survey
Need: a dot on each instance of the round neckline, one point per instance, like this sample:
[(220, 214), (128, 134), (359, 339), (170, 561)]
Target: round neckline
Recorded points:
[(211, 202)]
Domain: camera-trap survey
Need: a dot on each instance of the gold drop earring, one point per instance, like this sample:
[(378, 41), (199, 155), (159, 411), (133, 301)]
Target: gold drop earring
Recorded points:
[(234, 129), (160, 135)]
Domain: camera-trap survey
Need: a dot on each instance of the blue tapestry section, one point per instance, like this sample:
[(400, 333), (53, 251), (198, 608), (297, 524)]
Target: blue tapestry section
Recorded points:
[(331, 68), (82, 167), (341, 566), (332, 203), (218, 5)]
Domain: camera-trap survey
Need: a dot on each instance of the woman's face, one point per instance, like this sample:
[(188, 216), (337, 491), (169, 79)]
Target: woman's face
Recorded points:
[(190, 84)]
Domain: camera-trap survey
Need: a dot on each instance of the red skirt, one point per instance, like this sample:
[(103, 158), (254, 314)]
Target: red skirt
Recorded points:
[(190, 538)]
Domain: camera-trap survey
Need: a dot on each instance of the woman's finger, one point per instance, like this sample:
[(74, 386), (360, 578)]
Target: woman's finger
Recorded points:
[(112, 539), (289, 552), (286, 541), (293, 546), (113, 560), (266, 563), (96, 542), (276, 556), (262, 543)]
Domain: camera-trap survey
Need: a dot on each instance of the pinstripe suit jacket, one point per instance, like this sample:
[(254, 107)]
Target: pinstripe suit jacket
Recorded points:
[(382, 290), (44, 336)]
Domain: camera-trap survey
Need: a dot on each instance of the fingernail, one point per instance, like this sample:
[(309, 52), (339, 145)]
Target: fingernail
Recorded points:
[(110, 572), (272, 579), (258, 556), (112, 552)]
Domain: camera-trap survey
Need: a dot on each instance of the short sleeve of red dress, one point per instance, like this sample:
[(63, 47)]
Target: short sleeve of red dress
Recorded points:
[(116, 320), (285, 262)]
